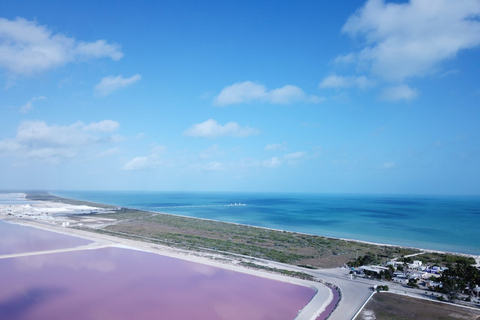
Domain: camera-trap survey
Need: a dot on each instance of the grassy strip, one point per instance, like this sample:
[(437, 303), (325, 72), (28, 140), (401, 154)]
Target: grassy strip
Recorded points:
[(286, 247), (282, 246), (295, 274)]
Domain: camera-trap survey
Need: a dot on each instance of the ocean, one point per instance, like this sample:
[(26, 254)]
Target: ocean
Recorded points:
[(445, 223)]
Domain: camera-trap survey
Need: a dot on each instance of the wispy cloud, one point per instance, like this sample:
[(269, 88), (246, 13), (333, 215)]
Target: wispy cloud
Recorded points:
[(110, 84), (212, 129), (397, 93), (274, 146), (54, 144), (402, 41), (27, 107), (291, 159), (340, 82), (295, 158), (104, 126), (150, 162), (28, 48), (248, 91), (411, 39)]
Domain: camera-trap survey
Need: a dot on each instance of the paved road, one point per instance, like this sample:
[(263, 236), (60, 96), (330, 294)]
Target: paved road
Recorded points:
[(354, 292), (90, 246)]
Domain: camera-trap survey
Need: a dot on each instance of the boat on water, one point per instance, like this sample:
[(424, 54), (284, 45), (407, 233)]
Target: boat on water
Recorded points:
[(237, 204)]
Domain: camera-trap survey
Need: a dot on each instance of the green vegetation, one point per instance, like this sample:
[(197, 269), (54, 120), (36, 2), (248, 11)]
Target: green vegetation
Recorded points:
[(457, 277), (287, 247), (442, 260), (207, 235), (382, 288), (368, 259), (412, 283)]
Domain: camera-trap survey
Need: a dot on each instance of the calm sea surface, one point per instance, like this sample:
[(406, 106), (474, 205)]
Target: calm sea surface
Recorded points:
[(449, 223)]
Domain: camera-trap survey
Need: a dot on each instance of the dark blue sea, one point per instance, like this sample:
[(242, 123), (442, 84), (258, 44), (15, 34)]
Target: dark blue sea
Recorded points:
[(446, 223)]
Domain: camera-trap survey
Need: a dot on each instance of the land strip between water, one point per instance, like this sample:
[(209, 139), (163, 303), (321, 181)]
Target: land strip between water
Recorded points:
[(215, 236)]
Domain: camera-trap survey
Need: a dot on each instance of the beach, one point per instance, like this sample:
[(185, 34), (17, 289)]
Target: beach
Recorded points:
[(441, 223)]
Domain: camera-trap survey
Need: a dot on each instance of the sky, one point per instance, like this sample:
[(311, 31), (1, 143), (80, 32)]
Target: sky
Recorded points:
[(260, 96)]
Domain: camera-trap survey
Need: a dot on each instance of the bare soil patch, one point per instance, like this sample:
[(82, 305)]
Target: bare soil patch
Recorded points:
[(388, 306)]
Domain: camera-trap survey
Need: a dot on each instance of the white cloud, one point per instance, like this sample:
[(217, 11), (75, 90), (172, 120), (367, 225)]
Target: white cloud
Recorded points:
[(53, 144), (290, 94), (29, 105), (98, 49), (411, 39), (247, 163), (274, 162), (103, 126), (274, 146), (339, 82), (110, 84), (140, 163), (397, 93), (27, 48), (248, 91), (240, 92), (291, 159), (295, 155), (150, 162), (346, 59), (212, 129)]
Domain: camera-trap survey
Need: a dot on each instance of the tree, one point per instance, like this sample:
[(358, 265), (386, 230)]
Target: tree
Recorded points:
[(412, 283)]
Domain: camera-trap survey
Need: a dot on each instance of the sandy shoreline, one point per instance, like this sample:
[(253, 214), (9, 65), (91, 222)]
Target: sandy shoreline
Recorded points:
[(379, 244)]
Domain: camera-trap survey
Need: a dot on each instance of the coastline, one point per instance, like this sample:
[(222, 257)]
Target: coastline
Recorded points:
[(398, 221), (373, 243)]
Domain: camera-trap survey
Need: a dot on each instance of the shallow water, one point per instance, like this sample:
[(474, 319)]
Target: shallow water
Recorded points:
[(15, 238), (120, 284)]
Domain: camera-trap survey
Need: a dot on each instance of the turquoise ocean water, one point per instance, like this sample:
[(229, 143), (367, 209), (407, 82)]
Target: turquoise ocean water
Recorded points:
[(447, 223)]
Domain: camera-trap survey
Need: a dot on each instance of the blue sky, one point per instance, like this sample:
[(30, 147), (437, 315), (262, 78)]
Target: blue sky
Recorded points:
[(289, 96)]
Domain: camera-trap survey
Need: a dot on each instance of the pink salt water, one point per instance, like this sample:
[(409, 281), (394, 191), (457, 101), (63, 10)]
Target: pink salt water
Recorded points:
[(19, 239), (119, 284)]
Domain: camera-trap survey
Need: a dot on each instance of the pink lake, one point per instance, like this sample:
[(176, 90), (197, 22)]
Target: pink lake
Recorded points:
[(119, 284), (15, 238)]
